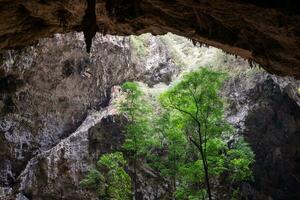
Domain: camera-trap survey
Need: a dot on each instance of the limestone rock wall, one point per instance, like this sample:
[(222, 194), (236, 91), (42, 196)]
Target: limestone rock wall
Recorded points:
[(47, 91), (265, 109)]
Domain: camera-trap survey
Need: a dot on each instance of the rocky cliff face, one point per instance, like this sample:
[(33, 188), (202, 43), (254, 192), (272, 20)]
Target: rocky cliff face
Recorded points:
[(261, 30), (57, 116), (47, 91), (267, 113)]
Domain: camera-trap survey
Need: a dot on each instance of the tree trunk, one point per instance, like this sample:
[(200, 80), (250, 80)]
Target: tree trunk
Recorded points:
[(204, 161), (207, 181), (174, 186), (134, 180)]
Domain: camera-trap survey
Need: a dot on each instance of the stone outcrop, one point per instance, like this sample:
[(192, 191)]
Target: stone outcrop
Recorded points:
[(49, 89), (263, 31), (56, 173), (265, 109)]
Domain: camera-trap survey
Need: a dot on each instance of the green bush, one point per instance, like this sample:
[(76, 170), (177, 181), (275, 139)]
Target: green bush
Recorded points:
[(110, 181)]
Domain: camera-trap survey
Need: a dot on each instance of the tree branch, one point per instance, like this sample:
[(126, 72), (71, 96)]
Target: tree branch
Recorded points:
[(181, 110)]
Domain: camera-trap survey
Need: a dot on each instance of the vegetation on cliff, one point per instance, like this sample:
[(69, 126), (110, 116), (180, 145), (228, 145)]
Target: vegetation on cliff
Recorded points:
[(188, 125), (109, 180)]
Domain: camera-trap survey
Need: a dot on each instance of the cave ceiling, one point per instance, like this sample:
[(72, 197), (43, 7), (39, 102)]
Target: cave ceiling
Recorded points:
[(263, 31)]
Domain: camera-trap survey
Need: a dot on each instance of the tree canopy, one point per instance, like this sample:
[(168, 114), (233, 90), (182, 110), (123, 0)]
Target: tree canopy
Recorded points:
[(189, 130)]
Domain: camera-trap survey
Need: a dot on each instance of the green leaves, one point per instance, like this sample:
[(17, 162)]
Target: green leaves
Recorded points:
[(93, 181), (216, 158), (197, 111), (139, 137), (109, 181), (184, 140), (112, 160), (196, 98), (132, 89), (240, 159)]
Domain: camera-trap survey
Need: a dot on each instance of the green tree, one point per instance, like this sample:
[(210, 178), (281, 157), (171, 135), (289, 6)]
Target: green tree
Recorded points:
[(110, 181), (196, 101), (138, 136), (185, 140), (175, 143)]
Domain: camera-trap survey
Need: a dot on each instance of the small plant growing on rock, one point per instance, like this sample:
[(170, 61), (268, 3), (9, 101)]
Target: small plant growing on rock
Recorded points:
[(110, 181)]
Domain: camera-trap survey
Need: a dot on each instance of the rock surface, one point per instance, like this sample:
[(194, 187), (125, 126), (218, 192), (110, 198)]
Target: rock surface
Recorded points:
[(57, 117), (264, 31), (268, 115), (48, 90)]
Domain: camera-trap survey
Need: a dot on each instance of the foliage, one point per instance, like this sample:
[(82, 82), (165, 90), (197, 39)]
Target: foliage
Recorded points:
[(176, 144), (138, 137), (240, 159), (235, 67), (184, 138), (94, 181), (139, 45), (235, 194), (109, 181), (196, 101), (197, 111), (176, 55)]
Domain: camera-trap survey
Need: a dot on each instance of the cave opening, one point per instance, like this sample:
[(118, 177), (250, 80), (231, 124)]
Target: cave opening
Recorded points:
[(58, 105), (144, 99)]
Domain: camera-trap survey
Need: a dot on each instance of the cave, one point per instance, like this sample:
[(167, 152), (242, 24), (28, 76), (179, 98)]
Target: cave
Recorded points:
[(266, 32), (62, 63)]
